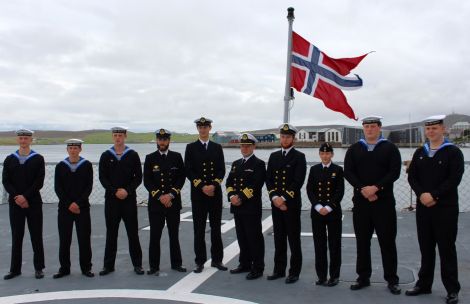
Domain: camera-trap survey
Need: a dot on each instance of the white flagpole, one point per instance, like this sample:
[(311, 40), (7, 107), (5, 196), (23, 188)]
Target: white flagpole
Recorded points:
[(288, 94)]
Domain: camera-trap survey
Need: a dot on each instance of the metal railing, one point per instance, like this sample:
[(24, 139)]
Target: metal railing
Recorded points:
[(405, 198)]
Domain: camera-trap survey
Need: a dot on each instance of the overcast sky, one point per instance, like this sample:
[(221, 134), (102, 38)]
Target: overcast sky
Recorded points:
[(75, 65)]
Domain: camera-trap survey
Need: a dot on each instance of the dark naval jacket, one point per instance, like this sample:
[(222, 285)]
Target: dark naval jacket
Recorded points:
[(164, 175), (326, 187), (125, 173), (24, 179), (439, 175), (73, 184), (380, 167), (285, 176), (204, 167), (247, 180)]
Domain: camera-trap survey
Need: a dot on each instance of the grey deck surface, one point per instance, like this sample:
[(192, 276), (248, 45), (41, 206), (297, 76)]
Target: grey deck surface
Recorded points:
[(123, 286)]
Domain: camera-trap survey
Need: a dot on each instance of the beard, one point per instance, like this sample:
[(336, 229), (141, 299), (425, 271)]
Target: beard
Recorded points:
[(287, 146), (162, 147)]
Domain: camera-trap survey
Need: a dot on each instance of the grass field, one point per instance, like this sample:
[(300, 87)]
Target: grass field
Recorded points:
[(102, 137)]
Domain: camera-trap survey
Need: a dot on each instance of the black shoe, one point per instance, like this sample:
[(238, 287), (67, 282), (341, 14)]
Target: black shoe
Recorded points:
[(60, 274), (88, 273), (275, 276), (239, 269), (198, 268), (394, 289), (417, 291), (219, 266), (179, 268), (292, 279), (11, 275), (452, 298), (153, 271), (360, 284), (252, 275), (38, 274), (321, 282), (106, 271), (139, 270), (332, 282)]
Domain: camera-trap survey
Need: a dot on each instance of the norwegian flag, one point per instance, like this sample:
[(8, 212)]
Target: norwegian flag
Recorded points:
[(316, 74)]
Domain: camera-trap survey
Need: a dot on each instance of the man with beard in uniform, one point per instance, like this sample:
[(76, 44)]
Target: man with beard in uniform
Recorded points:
[(325, 190), (73, 183), (164, 178), (244, 184), (434, 175), (120, 173), (285, 176), (371, 166), (23, 177), (205, 169)]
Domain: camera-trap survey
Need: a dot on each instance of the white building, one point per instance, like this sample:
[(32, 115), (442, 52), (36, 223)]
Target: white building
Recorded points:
[(319, 135)]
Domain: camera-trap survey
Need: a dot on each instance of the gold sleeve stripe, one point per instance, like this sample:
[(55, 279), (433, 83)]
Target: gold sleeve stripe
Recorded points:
[(218, 180), (155, 193), (271, 191), (291, 193), (196, 182), (176, 190), (248, 192), (230, 189)]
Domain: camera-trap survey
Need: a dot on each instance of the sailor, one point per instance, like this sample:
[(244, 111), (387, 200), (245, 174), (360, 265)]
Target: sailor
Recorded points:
[(205, 169), (73, 183), (325, 190), (434, 175), (120, 173), (164, 177), (371, 166), (244, 184), (23, 177), (285, 176)]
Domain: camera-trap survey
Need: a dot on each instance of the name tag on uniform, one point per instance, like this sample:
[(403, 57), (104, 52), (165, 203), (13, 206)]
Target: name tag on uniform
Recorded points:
[(249, 170), (174, 168), (288, 166), (333, 175), (156, 168)]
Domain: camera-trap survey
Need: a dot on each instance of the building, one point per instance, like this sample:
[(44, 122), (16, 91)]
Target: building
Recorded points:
[(223, 137), (319, 135)]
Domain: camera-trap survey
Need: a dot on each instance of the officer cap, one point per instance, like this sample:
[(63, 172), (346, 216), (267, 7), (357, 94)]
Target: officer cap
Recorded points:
[(326, 147), (163, 134), (287, 128), (247, 139), (203, 121)]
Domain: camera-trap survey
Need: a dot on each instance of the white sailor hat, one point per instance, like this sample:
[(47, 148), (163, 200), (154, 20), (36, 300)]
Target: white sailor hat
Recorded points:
[(74, 142), (119, 129), (163, 133), (24, 132), (203, 121), (372, 119), (434, 120), (287, 128), (247, 139)]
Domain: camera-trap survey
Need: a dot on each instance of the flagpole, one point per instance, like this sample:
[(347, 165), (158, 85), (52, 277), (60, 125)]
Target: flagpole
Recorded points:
[(288, 95)]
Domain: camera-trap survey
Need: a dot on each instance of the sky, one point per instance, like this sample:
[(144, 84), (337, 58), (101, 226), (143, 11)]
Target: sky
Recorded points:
[(150, 64)]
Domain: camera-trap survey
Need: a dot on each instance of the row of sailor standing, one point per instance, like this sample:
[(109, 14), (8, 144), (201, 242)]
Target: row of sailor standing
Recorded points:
[(371, 166)]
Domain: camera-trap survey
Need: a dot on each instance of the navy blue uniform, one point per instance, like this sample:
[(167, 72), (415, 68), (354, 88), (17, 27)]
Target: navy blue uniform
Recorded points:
[(164, 174), (325, 186), (285, 176), (74, 185), (439, 175), (246, 179), (380, 167), (25, 179), (206, 166), (115, 173)]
